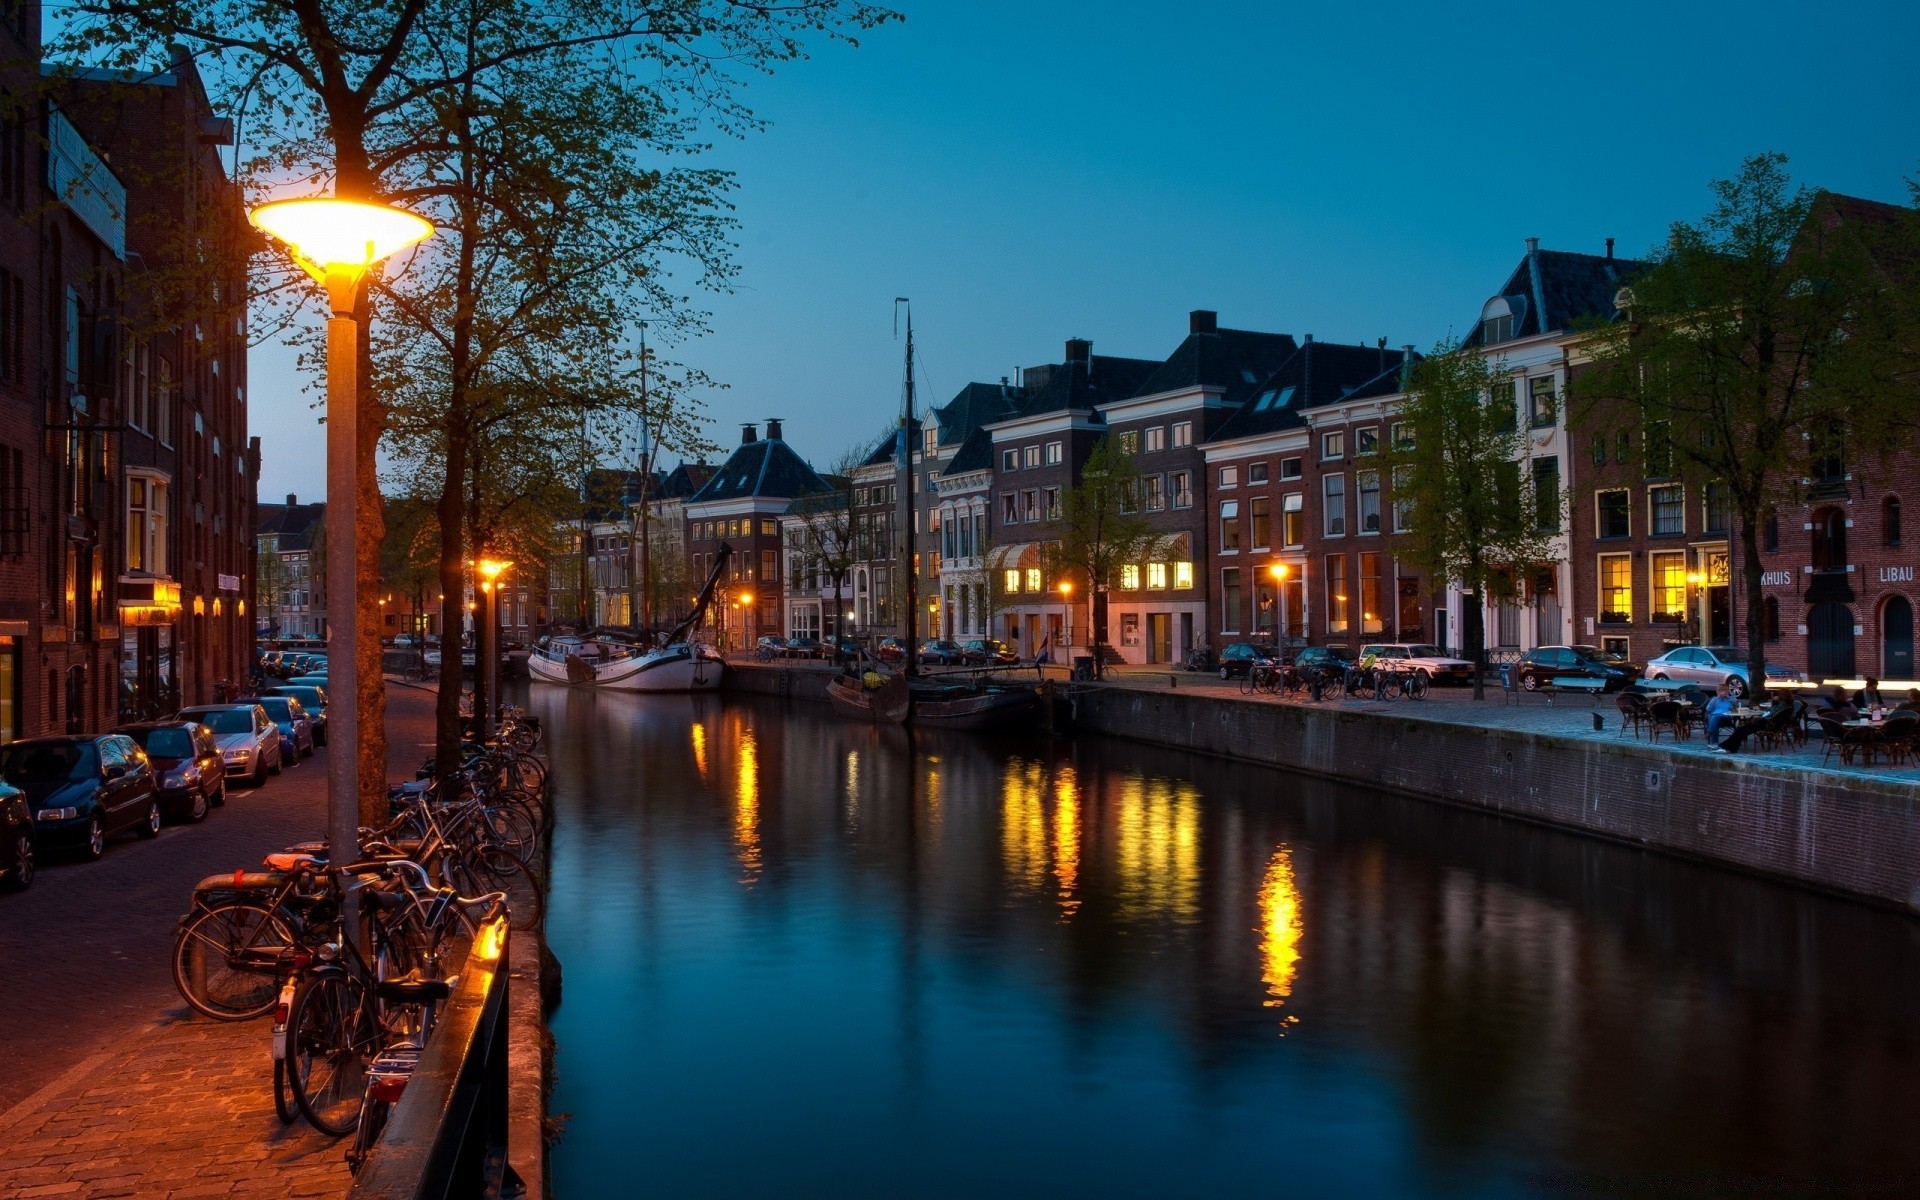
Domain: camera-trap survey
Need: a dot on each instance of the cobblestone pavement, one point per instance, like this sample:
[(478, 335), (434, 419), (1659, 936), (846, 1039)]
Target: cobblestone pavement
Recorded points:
[(111, 1086)]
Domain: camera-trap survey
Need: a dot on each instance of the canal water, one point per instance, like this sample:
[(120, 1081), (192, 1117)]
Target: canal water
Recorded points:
[(808, 958)]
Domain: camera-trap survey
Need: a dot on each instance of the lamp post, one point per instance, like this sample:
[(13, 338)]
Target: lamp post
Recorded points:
[(492, 569), (1066, 613), (1279, 573), (337, 242)]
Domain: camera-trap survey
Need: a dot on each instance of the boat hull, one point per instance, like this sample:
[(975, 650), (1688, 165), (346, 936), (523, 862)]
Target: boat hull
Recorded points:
[(656, 672), (886, 705), (990, 708)]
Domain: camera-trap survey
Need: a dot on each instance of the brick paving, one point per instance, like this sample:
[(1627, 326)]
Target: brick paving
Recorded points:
[(111, 1086)]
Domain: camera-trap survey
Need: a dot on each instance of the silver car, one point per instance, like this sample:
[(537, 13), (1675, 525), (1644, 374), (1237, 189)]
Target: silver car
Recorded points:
[(1433, 662), (1711, 666), (249, 741)]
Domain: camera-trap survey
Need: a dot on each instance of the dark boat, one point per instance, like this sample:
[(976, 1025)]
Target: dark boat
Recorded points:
[(973, 705), (882, 699)]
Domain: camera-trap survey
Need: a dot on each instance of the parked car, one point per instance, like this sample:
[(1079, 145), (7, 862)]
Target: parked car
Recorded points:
[(16, 839), (189, 776), (1315, 658), (806, 647), (1711, 666), (984, 651), (769, 647), (249, 742), (1433, 662), (312, 698), (941, 652), (83, 790), (890, 649), (847, 649), (1542, 664), (1241, 657), (308, 681), (296, 728)]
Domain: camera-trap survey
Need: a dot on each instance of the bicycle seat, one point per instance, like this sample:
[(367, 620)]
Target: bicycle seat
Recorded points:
[(238, 881), (412, 787), (290, 860), (413, 988)]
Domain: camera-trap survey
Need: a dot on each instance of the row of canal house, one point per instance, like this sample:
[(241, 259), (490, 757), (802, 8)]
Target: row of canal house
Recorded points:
[(127, 476)]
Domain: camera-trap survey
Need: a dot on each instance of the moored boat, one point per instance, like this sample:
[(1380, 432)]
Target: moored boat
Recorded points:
[(589, 662), (972, 705)]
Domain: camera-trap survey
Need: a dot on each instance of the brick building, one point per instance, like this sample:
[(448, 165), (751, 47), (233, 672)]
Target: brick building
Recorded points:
[(742, 506)]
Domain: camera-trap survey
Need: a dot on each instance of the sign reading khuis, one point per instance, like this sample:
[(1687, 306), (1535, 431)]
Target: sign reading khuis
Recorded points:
[(1776, 579)]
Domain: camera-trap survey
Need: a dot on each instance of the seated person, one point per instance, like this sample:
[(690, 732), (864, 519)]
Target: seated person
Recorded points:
[(1869, 696), (1719, 713), (1912, 702), (1746, 728)]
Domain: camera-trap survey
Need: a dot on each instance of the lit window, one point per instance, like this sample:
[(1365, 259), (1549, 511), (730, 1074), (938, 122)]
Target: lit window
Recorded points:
[(1033, 579), (1012, 581), (147, 524), (1616, 589), (1667, 579), (1292, 520), (1182, 575), (1156, 575), (1130, 577)]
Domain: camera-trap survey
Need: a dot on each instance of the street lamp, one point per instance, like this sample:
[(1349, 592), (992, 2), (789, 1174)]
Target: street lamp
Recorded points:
[(1279, 573), (1066, 612), (338, 242), (492, 569)]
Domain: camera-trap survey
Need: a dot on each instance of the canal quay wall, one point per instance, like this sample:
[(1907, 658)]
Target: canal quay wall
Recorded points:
[(1836, 831)]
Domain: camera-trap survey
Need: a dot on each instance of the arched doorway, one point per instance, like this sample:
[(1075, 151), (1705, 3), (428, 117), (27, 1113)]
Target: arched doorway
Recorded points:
[(1896, 639), (1830, 641)]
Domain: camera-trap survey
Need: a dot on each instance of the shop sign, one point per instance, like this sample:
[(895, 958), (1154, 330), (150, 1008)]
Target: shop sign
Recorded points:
[(229, 583), (1776, 579), (149, 602), (1896, 574)]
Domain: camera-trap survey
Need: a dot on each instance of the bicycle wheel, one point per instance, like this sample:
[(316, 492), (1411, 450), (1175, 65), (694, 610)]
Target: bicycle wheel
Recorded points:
[(514, 828), (1249, 683), (331, 1037), (497, 870), (1417, 686), (226, 961), (283, 1105)]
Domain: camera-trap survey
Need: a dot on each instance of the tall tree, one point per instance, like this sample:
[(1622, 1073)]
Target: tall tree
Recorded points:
[(1101, 528), (1456, 477), (1762, 340)]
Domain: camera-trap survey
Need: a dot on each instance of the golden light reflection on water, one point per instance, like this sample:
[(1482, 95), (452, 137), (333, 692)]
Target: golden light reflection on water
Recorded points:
[(1158, 848), (1066, 840), (746, 811), (1279, 930), (1023, 821), (699, 734)]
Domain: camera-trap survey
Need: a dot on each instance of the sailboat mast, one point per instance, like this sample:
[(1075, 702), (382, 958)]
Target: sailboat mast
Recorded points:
[(903, 454)]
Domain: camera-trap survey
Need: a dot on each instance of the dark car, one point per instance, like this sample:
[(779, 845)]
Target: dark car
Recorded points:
[(296, 728), (806, 647), (940, 652), (1541, 665), (770, 647), (83, 790), (849, 649), (16, 840), (983, 651), (1317, 658), (189, 776), (1241, 657), (312, 698), (890, 649)]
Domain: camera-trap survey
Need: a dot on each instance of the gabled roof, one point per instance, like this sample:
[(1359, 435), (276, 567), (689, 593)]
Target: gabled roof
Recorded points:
[(1552, 289), (683, 481), (289, 524), (1233, 360), (1886, 230), (974, 406), (974, 454), (767, 468), (1316, 373), (1084, 384)]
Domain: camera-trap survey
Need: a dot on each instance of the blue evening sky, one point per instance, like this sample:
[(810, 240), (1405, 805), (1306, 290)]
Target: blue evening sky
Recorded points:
[(1029, 172)]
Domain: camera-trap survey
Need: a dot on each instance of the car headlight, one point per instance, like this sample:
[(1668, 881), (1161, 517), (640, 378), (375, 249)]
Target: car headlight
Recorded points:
[(242, 755), (58, 814), (174, 779)]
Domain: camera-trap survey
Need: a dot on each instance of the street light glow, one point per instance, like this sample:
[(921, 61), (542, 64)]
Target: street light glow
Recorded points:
[(493, 568), (328, 236), (1278, 570)]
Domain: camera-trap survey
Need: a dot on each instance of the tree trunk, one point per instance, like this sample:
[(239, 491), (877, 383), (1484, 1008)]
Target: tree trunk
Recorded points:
[(1750, 572), (1473, 620)]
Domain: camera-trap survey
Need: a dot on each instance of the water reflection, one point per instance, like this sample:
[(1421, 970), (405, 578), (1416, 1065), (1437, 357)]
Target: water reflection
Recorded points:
[(1052, 968)]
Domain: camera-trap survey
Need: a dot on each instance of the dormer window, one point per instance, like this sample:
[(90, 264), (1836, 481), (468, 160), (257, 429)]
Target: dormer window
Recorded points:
[(1496, 321)]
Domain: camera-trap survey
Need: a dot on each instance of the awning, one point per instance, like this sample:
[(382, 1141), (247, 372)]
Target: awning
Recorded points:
[(1013, 554)]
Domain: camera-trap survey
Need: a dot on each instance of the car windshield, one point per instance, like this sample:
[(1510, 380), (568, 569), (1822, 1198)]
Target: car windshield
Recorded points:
[(48, 763), (167, 743), (232, 720), (277, 708), (1727, 653), (1425, 652), (308, 696)]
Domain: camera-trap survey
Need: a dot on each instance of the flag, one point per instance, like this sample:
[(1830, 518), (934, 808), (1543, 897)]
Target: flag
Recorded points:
[(1045, 656)]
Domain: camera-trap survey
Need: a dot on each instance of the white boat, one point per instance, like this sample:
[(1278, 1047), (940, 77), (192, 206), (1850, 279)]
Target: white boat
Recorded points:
[(619, 667)]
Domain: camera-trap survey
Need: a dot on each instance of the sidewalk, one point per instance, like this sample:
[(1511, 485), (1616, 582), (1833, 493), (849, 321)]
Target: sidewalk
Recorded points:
[(113, 1086)]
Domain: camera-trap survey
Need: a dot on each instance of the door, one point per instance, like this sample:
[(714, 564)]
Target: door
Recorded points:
[(1719, 615), (1830, 641), (1186, 635), (1896, 639), (1159, 637)]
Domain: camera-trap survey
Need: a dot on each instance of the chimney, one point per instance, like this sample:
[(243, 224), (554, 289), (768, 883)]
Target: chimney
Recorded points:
[(1309, 339), (1381, 346), (292, 499), (1202, 320), (1609, 249), (1533, 245), (773, 429), (746, 433), (1079, 350)]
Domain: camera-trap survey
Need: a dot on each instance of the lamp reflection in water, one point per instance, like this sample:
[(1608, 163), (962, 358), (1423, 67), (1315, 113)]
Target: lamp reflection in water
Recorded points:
[(746, 812), (1158, 850), (1066, 840), (699, 734), (1279, 931), (1023, 822)]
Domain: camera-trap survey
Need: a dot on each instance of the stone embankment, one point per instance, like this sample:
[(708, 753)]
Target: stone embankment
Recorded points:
[(1854, 832)]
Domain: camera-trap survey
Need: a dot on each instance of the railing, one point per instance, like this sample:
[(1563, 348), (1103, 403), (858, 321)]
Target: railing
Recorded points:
[(447, 1136)]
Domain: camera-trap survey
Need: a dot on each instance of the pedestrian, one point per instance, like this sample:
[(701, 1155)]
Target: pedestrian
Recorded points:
[(1719, 713)]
